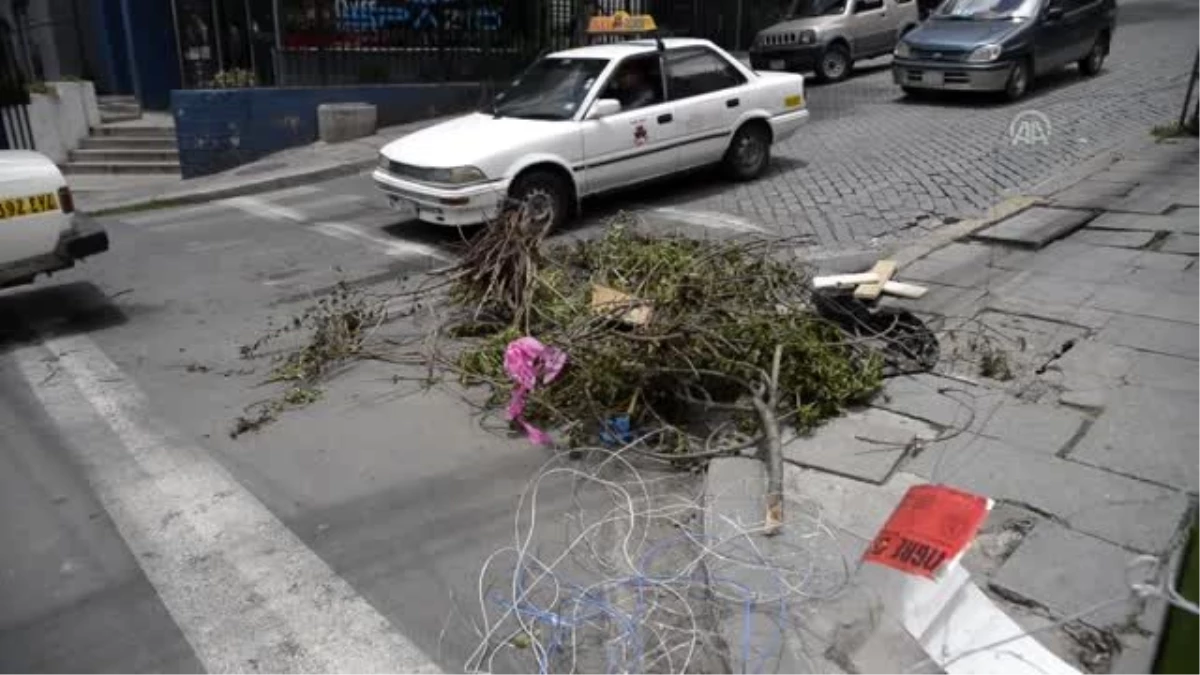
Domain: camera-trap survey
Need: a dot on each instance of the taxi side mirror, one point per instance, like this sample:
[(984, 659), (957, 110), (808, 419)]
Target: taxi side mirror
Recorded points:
[(603, 107)]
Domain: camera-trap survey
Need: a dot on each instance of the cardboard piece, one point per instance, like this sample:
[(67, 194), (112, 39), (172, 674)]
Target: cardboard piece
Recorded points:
[(607, 300)]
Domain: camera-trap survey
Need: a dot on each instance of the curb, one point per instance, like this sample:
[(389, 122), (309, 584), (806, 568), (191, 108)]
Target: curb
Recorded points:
[(951, 233), (1033, 196), (239, 190)]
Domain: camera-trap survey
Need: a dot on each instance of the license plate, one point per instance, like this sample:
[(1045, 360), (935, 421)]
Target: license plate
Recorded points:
[(933, 77), (26, 206), (402, 203), (777, 64)]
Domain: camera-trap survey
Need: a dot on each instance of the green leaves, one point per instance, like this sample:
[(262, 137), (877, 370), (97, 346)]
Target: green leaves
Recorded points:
[(719, 310)]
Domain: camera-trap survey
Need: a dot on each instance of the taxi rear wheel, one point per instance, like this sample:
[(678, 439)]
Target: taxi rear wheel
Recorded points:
[(749, 152), (545, 196)]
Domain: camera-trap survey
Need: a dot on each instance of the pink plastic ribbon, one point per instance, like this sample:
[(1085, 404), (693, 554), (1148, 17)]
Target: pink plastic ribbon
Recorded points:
[(526, 360)]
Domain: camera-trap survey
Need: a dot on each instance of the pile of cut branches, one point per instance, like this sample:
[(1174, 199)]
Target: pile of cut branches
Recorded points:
[(685, 350)]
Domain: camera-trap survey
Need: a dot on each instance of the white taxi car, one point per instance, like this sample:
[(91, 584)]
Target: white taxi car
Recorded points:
[(592, 119), (39, 229)]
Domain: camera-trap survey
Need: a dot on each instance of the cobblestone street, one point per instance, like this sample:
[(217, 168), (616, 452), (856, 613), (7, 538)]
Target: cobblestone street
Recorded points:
[(873, 164)]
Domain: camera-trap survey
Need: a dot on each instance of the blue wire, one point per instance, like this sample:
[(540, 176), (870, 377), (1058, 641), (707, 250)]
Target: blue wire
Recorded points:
[(579, 606)]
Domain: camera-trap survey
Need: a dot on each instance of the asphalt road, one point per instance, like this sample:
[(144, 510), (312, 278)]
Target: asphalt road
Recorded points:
[(150, 540), (403, 500), (141, 537)]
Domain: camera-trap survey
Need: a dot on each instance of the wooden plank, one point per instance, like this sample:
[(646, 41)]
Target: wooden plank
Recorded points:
[(884, 269), (844, 280), (903, 290)]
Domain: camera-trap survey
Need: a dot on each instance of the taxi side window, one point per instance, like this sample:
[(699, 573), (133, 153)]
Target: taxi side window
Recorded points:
[(692, 72), (636, 83), (867, 6)]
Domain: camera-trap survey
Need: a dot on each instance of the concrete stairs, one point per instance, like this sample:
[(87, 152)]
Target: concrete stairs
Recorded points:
[(142, 145), (118, 108)]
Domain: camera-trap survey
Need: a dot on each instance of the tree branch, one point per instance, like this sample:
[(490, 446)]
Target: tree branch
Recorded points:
[(765, 404)]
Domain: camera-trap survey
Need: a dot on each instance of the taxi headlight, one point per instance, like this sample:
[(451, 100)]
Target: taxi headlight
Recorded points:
[(903, 50), (459, 175)]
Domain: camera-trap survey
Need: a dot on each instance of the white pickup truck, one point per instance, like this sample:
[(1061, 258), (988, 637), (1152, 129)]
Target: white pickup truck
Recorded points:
[(39, 229)]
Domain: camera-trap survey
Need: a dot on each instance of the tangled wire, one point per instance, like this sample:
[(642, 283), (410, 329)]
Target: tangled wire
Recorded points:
[(635, 585)]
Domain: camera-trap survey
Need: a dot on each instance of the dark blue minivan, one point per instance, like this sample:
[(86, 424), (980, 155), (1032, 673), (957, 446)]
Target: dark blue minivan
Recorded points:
[(1002, 45)]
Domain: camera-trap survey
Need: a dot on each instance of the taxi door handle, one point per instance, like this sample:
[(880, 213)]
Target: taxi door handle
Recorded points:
[(665, 118), (732, 103)]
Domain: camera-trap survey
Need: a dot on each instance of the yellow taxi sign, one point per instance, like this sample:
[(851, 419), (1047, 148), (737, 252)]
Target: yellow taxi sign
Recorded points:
[(621, 22), (793, 101)]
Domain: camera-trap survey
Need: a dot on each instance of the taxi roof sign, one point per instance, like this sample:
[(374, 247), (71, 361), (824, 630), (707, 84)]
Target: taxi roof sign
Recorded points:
[(621, 23)]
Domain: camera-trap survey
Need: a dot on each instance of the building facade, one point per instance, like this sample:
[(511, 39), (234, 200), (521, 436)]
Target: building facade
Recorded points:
[(50, 39), (149, 47)]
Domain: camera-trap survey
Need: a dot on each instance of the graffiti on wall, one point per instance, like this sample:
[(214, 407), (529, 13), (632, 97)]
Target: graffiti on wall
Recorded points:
[(441, 15)]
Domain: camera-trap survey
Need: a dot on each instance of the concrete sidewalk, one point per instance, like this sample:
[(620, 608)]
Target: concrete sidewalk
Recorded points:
[(295, 166), (1066, 391)]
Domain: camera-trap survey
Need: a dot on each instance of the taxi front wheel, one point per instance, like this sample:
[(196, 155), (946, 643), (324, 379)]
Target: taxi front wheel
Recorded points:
[(749, 152), (546, 197)]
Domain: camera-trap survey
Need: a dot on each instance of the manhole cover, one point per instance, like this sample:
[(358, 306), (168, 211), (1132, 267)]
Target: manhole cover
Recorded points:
[(260, 168)]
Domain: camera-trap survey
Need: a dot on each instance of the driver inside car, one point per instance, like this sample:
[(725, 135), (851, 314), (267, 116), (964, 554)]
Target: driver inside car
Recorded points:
[(633, 87)]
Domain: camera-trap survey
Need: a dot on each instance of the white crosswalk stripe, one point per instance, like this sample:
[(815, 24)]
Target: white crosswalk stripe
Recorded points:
[(190, 215), (288, 193), (313, 206), (393, 247), (245, 591), (708, 219), (344, 231), (311, 201), (331, 205), (167, 217), (257, 206)]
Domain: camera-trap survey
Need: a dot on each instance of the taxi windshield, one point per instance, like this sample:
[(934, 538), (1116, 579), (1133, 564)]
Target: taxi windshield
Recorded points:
[(551, 89)]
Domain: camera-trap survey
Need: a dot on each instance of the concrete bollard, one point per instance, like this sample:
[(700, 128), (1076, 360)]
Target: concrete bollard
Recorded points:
[(338, 122)]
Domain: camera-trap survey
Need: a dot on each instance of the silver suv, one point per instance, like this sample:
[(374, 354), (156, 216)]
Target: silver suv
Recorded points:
[(828, 36)]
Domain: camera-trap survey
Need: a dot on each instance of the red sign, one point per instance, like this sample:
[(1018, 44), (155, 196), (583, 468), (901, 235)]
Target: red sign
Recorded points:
[(932, 524)]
